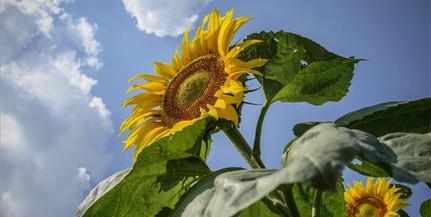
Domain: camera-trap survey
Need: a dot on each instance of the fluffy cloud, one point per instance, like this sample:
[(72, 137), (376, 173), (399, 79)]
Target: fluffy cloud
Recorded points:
[(53, 130), (166, 17)]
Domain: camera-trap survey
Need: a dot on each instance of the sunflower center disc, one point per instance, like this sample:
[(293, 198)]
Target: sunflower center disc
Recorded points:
[(370, 206), (193, 88)]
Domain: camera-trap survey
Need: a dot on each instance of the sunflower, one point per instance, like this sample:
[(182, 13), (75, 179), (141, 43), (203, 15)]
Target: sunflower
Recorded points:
[(374, 199), (204, 80)]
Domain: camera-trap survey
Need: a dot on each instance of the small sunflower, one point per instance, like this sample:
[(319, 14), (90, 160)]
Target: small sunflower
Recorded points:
[(204, 80), (377, 200)]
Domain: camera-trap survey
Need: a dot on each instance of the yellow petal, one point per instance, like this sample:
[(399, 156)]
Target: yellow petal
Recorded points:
[(240, 47), (213, 30), (226, 34), (176, 60), (151, 86), (229, 113), (165, 69), (186, 49), (151, 78)]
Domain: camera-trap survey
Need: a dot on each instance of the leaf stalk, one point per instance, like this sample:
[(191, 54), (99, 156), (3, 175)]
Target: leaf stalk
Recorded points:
[(315, 211), (258, 133)]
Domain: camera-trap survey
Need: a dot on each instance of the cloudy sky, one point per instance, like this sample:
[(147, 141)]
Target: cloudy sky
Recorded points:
[(65, 66)]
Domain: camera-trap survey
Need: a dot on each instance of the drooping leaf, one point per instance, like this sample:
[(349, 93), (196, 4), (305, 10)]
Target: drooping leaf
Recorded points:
[(320, 154), (161, 174), (299, 69), (316, 158), (381, 119), (413, 155), (425, 209)]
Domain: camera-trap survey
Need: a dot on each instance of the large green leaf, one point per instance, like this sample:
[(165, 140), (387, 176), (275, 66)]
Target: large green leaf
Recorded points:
[(299, 69), (316, 158), (318, 83), (161, 174), (413, 155), (381, 119)]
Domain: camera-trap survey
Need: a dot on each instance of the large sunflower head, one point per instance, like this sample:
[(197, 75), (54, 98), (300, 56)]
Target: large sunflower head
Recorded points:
[(374, 199), (204, 80)]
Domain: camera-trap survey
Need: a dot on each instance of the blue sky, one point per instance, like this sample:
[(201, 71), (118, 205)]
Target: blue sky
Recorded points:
[(65, 66)]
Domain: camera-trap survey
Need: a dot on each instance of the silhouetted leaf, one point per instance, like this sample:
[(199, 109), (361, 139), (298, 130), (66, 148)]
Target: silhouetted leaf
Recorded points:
[(381, 119)]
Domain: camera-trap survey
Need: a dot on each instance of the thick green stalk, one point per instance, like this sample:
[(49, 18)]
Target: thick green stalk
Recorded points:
[(243, 148)]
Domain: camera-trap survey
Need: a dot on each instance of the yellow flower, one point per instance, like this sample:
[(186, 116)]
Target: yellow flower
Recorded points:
[(205, 80), (377, 200)]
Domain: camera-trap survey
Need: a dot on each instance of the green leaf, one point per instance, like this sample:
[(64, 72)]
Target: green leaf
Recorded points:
[(332, 205), (318, 83), (425, 209), (406, 192), (299, 69), (381, 119), (161, 174), (402, 213), (102, 188), (413, 156)]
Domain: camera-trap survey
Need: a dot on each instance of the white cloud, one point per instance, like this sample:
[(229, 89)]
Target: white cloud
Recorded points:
[(164, 17), (53, 130)]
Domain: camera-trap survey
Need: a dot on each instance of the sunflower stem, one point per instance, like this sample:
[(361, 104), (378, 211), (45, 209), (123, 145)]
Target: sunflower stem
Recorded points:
[(243, 147), (258, 133), (256, 163), (315, 211)]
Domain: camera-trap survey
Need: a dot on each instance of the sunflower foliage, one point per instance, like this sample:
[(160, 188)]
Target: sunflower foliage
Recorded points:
[(171, 178)]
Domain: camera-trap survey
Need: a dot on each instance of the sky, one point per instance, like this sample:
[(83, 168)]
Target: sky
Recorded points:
[(65, 66)]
